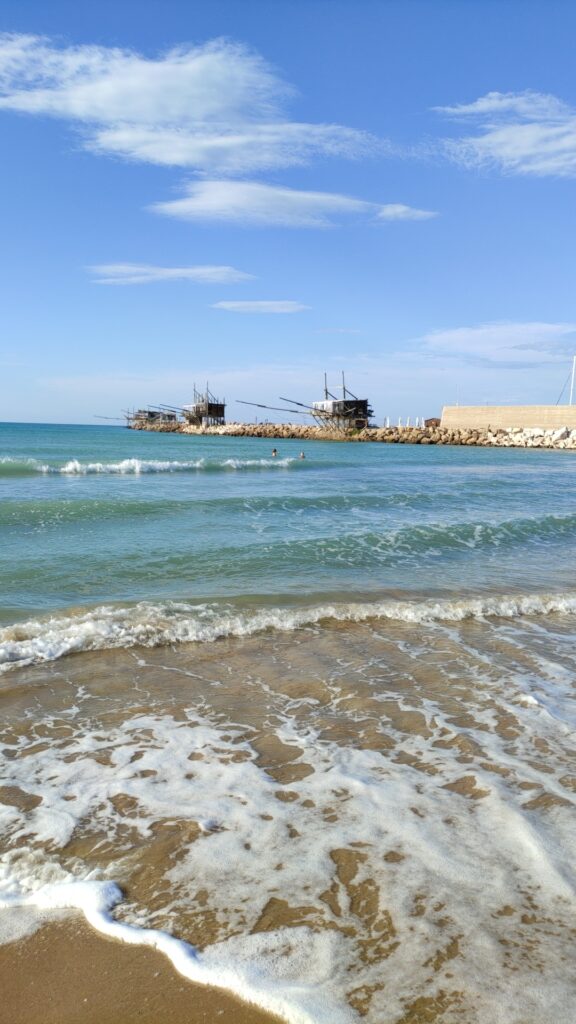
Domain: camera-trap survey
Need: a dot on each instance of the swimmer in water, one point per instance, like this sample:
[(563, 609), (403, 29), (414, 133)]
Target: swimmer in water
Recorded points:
[(302, 456), (274, 452)]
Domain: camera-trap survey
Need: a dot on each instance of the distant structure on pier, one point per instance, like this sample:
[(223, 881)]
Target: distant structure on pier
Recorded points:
[(346, 413), (206, 410), (338, 414), (153, 415)]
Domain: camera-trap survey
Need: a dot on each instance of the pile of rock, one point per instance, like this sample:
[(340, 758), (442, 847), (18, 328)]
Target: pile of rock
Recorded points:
[(532, 437), (172, 427), (513, 437), (278, 431)]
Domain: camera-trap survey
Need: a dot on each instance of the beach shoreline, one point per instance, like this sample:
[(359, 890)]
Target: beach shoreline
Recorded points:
[(66, 970)]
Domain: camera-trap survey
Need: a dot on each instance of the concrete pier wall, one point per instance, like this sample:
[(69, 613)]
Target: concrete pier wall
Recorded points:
[(502, 417)]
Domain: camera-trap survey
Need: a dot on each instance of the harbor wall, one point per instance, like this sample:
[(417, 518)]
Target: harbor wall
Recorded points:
[(502, 417)]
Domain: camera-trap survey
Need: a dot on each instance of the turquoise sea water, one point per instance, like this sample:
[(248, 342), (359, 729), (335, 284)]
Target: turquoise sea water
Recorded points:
[(93, 515), (305, 725)]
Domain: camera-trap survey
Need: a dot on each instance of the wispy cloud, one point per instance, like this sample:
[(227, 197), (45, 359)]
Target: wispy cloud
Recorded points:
[(232, 149), (263, 306), (143, 273), (216, 107), (503, 342), (398, 211), (257, 204), (526, 133)]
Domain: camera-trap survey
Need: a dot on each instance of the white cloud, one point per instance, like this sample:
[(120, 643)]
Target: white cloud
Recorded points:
[(503, 342), (215, 107), (218, 109), (397, 211), (250, 202), (219, 81), (526, 104), (522, 133), (263, 306), (231, 149), (142, 273)]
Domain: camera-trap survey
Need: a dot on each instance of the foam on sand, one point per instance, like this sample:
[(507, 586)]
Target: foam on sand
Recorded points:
[(363, 880), (285, 974)]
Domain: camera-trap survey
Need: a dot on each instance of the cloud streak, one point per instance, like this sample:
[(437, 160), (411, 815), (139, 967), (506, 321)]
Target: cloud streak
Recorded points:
[(260, 205), (143, 273), (231, 149), (262, 306), (526, 133), (505, 343), (216, 107)]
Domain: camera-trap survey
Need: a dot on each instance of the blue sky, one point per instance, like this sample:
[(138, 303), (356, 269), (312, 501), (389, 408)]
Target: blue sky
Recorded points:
[(255, 191)]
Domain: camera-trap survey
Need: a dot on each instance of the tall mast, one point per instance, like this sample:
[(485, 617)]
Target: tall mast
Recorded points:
[(572, 380)]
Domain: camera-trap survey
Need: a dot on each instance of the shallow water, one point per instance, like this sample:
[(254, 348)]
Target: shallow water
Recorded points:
[(320, 719)]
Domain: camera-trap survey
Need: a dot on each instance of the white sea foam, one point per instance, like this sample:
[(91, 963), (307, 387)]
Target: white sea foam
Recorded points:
[(352, 800), (289, 973), (10, 460), (134, 466), (158, 624), (247, 463), (126, 466), (282, 972)]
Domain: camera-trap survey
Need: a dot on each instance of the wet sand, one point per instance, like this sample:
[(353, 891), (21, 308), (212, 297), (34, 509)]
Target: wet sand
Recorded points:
[(66, 973), (388, 804)]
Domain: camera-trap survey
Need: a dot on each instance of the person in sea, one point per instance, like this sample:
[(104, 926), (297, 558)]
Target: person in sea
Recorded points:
[(274, 452), (301, 456)]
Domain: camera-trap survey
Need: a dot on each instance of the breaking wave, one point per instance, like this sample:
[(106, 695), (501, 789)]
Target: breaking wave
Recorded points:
[(74, 467), (158, 624)]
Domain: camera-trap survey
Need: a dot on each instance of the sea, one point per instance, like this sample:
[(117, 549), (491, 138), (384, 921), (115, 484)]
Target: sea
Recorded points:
[(303, 724)]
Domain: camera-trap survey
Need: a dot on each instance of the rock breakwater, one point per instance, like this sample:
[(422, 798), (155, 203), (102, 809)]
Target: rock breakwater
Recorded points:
[(513, 437)]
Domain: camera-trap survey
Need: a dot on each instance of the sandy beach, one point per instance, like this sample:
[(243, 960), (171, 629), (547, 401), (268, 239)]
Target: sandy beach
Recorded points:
[(66, 973)]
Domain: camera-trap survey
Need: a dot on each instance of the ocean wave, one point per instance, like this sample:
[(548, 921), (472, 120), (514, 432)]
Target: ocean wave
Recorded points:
[(432, 538), (411, 544), (479, 534), (18, 467), (74, 467), (150, 624), (488, 534), (59, 510)]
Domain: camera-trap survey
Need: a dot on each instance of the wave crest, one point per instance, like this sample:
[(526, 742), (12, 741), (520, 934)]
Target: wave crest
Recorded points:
[(74, 467), (156, 625)]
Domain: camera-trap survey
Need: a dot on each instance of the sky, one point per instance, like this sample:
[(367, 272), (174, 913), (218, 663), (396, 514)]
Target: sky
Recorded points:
[(255, 192)]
